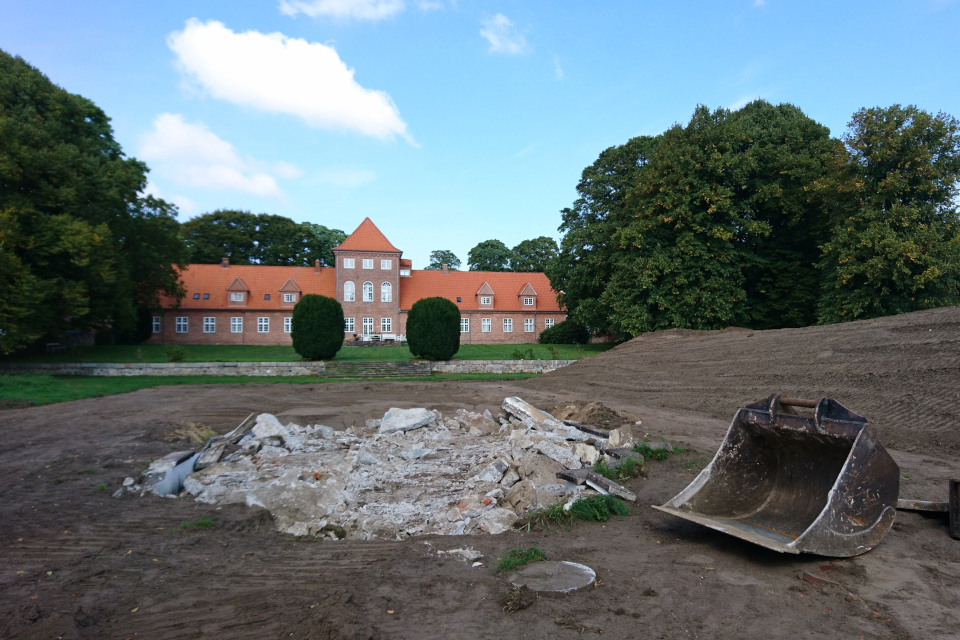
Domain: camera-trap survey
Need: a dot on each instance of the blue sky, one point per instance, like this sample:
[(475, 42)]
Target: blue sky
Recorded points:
[(452, 122)]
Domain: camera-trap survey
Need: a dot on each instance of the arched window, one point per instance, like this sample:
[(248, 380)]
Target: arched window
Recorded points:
[(386, 292), (368, 292), (349, 292)]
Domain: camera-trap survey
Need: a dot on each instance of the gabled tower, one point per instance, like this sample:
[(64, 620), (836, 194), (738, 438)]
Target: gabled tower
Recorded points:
[(368, 281)]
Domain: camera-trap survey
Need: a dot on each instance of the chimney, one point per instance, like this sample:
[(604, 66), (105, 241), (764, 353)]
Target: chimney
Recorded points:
[(316, 266), (445, 269), (225, 263)]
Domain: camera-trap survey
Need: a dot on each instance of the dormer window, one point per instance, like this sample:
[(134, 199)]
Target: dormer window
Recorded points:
[(528, 302), (486, 300), (289, 297), (404, 273), (236, 297)]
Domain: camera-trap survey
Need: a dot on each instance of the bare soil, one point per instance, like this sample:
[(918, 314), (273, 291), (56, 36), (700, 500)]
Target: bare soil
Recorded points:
[(77, 563)]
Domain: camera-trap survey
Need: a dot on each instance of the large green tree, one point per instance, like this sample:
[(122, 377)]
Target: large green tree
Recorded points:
[(79, 248), (533, 255), (442, 257), (489, 255), (247, 238)]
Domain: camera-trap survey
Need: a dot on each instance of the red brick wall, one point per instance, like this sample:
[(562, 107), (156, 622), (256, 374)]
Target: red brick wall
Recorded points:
[(250, 335), (496, 334), (358, 275)]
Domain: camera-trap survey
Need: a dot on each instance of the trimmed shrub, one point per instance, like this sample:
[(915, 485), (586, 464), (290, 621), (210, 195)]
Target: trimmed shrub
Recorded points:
[(317, 327), (433, 329), (566, 332)]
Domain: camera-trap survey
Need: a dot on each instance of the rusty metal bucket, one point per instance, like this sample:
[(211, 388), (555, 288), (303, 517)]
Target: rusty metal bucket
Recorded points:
[(817, 483)]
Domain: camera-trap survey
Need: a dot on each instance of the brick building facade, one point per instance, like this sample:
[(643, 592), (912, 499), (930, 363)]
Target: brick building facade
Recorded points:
[(252, 304)]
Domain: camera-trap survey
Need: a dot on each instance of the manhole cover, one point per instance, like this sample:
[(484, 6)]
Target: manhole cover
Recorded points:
[(560, 577)]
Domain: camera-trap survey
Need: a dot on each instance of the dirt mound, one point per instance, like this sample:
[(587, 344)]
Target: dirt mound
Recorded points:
[(901, 372), (592, 413)]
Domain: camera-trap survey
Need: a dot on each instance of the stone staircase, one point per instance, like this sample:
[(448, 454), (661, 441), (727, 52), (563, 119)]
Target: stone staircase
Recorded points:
[(373, 369)]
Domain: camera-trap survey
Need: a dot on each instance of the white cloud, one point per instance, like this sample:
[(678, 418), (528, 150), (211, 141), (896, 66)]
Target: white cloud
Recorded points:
[(182, 203), (191, 155), (502, 35), (557, 69), (278, 74), (346, 177), (356, 9)]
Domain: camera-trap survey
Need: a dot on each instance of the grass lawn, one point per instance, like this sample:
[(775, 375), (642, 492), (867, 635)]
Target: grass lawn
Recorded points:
[(216, 353), (41, 389)]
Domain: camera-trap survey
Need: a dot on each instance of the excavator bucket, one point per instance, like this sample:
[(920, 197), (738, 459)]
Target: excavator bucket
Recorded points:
[(813, 481)]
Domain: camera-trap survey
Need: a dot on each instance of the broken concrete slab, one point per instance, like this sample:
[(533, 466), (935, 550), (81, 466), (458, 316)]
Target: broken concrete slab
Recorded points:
[(520, 409), (497, 520), (472, 420), (601, 483), (405, 420), (562, 454)]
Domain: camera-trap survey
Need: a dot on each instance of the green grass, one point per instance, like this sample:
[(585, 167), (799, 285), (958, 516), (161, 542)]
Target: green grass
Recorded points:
[(519, 557), (202, 522), (627, 469), (43, 389), (592, 509), (236, 353), (660, 455)]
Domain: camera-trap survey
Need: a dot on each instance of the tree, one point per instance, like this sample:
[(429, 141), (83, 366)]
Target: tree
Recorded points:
[(433, 329), (489, 255), (442, 257), (247, 238), (566, 332), (895, 241), (534, 255), (317, 327), (78, 246)]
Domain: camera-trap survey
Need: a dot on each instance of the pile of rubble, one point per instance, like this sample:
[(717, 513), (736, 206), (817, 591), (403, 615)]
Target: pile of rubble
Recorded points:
[(412, 472)]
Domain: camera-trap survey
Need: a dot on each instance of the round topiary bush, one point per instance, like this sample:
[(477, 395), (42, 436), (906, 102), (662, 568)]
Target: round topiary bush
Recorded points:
[(433, 329), (566, 332), (317, 327)]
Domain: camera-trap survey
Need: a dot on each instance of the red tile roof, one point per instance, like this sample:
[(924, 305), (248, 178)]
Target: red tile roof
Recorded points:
[(465, 284), (367, 237), (260, 280)]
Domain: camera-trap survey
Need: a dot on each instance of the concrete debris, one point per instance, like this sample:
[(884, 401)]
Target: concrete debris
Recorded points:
[(412, 472), (468, 554)]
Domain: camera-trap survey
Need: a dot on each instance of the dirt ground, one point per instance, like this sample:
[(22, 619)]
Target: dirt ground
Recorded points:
[(77, 563)]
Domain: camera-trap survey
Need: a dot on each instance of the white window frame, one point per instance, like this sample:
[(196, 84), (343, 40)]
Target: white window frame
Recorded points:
[(528, 302), (368, 326), (236, 324), (156, 324), (464, 325), (349, 291), (386, 265), (209, 324), (486, 300), (528, 326), (548, 323), (508, 325), (263, 324), (349, 263), (386, 292), (368, 291), (485, 325), (289, 297), (182, 324), (287, 324), (349, 325), (236, 296), (386, 325), (368, 263), (405, 272)]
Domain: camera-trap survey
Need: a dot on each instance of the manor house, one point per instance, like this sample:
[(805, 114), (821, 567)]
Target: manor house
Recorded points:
[(253, 304)]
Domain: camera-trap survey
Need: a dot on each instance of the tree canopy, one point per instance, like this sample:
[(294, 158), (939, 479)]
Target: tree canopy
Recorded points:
[(442, 257), (489, 255), (79, 247), (533, 255), (247, 238)]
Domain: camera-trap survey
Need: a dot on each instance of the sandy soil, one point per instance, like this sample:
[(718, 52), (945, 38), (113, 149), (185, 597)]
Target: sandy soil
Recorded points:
[(76, 563)]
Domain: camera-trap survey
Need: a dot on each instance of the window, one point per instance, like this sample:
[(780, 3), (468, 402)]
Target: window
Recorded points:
[(386, 264), (464, 325), (386, 325), (368, 292), (181, 324), (348, 326), (287, 324), (528, 325), (236, 325), (528, 302), (548, 323), (156, 324), (386, 292), (349, 291), (206, 296), (209, 324), (507, 325), (405, 273), (349, 263), (367, 326), (236, 297), (458, 298), (485, 299), (289, 297), (485, 325), (266, 296), (368, 263), (196, 296), (263, 325)]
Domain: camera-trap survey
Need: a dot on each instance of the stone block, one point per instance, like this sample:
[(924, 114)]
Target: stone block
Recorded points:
[(405, 419)]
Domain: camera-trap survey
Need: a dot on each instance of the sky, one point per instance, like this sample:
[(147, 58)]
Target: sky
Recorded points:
[(450, 122)]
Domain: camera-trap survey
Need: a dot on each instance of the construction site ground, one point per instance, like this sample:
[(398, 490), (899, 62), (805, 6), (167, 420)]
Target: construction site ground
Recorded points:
[(77, 563)]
